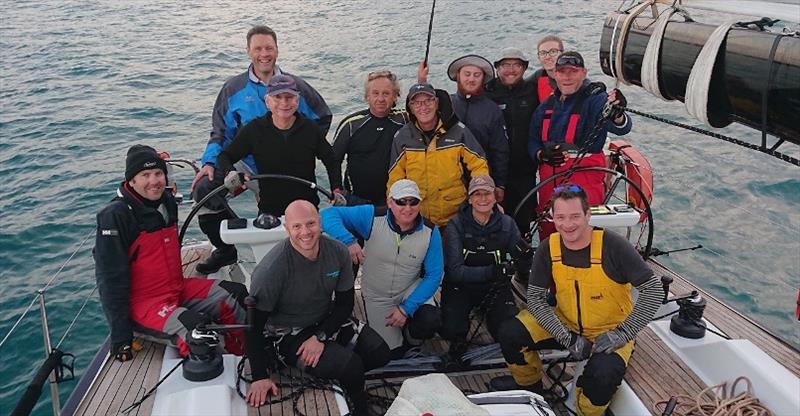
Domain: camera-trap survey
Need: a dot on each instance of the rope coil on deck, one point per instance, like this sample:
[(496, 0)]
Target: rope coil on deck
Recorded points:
[(718, 401)]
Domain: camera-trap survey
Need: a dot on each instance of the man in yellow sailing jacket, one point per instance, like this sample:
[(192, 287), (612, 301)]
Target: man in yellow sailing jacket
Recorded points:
[(431, 150), (595, 317)]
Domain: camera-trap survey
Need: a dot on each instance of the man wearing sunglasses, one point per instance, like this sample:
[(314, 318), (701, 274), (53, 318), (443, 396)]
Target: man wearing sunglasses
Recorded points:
[(432, 150), (365, 137), (402, 263), (564, 125), (241, 100), (480, 243), (595, 317)]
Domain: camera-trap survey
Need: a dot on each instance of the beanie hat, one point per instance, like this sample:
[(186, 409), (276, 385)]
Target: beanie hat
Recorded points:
[(141, 157)]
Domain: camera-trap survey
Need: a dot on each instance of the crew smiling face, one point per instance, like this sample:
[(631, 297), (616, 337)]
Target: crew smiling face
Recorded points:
[(263, 52), (547, 53), (423, 107), (470, 79), (510, 71), (482, 201), (569, 79), (149, 183), (283, 105), (302, 223), (404, 211), (572, 222)]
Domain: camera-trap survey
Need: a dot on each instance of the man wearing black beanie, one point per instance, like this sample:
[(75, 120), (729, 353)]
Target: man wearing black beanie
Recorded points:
[(139, 271)]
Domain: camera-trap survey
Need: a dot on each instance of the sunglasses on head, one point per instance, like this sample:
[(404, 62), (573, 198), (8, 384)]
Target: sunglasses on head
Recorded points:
[(569, 60), (406, 201), (568, 187)]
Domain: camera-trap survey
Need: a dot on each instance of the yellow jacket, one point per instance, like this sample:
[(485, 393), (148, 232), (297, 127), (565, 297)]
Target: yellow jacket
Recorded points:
[(437, 166)]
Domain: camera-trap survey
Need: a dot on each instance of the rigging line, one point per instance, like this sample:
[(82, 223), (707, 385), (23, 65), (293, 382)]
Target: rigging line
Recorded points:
[(779, 155), (52, 279), (75, 319), (733, 260), (16, 324)]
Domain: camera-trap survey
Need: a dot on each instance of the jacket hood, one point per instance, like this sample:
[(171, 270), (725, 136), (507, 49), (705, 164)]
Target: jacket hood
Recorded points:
[(446, 113)]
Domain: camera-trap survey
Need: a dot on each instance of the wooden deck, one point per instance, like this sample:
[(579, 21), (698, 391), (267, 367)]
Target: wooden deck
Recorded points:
[(654, 373)]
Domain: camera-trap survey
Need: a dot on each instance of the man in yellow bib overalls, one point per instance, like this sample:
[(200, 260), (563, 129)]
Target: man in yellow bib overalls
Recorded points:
[(592, 271)]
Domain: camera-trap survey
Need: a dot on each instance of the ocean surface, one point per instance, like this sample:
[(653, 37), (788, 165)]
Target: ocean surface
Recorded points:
[(82, 81)]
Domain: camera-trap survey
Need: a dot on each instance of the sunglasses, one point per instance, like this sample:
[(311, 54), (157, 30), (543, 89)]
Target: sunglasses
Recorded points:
[(568, 187), (569, 60), (406, 201)]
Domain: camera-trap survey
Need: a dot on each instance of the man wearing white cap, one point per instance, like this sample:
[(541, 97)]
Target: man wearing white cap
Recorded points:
[(480, 114), (399, 247)]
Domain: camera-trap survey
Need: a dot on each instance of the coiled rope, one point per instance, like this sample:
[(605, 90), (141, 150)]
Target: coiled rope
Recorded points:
[(718, 401)]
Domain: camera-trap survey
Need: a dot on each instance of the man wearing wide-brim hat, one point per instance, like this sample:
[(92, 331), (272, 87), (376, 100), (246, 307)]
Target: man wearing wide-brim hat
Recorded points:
[(481, 115)]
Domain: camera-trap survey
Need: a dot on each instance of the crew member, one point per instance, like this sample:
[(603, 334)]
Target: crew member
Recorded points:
[(432, 150), (283, 142), (240, 101), (137, 260), (365, 137), (479, 113), (566, 124), (479, 244), (402, 259), (517, 99), (595, 316), (547, 50), (304, 302)]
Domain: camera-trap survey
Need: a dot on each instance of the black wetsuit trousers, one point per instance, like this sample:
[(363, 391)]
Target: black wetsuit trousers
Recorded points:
[(459, 300), (340, 362)]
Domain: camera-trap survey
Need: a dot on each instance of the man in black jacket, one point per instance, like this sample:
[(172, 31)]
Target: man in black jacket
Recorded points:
[(138, 266), (517, 98), (479, 242), (283, 142)]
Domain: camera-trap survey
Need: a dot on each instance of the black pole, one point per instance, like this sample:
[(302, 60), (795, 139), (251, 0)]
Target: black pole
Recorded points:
[(430, 29), (34, 389)]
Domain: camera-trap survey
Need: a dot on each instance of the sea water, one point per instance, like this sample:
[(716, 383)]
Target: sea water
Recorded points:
[(83, 81)]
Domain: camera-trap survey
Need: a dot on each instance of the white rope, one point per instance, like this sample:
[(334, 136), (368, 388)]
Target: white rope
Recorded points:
[(623, 37), (697, 87), (650, 61)]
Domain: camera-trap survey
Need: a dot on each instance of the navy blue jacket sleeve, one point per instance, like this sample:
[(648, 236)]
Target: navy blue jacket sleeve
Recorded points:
[(112, 269)]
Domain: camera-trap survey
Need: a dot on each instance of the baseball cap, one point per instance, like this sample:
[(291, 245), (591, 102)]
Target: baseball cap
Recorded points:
[(481, 183), (421, 89), (570, 59), (282, 83), (511, 53), (404, 188), (476, 60)]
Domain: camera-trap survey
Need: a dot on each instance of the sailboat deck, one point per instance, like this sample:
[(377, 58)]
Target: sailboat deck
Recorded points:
[(654, 373)]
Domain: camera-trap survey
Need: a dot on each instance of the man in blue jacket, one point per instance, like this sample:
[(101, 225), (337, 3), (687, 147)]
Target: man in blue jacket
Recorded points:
[(242, 99), (399, 247)]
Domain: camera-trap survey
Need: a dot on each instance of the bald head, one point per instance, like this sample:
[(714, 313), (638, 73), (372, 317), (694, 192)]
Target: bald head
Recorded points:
[(303, 226)]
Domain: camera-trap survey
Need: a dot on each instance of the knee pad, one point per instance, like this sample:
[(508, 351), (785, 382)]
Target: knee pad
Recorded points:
[(601, 377), (237, 290), (513, 337)]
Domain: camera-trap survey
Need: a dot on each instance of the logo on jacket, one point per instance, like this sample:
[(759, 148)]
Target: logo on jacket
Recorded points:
[(166, 309), (110, 233), (333, 275), (597, 297)]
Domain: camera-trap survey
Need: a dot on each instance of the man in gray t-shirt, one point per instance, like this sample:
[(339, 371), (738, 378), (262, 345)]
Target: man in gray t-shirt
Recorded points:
[(304, 289)]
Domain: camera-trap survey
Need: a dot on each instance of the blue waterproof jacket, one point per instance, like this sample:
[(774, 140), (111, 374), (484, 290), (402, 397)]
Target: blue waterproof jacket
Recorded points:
[(241, 100)]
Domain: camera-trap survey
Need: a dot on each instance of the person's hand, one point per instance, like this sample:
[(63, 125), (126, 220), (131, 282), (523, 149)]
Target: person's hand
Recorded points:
[(553, 154), (422, 73), (310, 351), (207, 170), (609, 342), (356, 253), (397, 318), (234, 181), (339, 200), (579, 348), (122, 352), (259, 390), (618, 103), (499, 194)]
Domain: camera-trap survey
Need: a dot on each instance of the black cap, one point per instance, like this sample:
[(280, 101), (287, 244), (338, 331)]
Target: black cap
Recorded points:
[(141, 157), (570, 58)]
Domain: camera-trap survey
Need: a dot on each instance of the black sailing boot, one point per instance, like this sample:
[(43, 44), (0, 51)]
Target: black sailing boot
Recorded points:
[(224, 254), (502, 383)]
